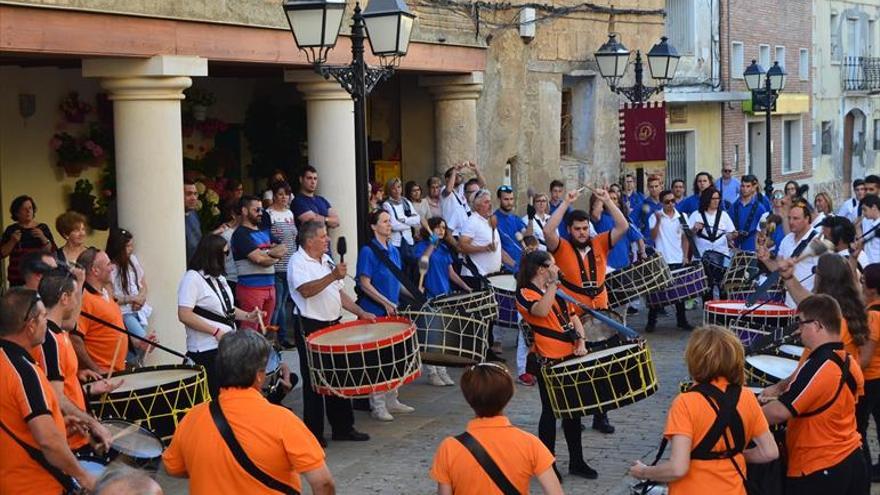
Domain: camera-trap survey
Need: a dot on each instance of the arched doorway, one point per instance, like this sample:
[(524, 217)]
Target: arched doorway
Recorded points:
[(853, 145)]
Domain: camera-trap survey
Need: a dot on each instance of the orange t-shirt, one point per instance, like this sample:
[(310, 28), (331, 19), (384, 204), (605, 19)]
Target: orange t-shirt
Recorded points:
[(872, 371), (25, 393), (692, 416), (547, 347), (518, 454), (101, 341), (846, 338), (578, 272), (825, 439), (272, 436), (58, 359)]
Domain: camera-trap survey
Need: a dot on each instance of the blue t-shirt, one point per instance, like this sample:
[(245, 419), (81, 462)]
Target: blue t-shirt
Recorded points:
[(437, 277), (508, 225), (740, 214), (380, 276), (303, 204), (618, 257), (562, 230), (689, 204), (243, 242), (634, 201), (640, 218)]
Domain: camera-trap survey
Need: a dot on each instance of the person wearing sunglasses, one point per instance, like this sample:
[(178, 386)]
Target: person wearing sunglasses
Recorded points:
[(487, 388), (667, 231), (818, 403), (30, 413), (255, 252), (727, 184)]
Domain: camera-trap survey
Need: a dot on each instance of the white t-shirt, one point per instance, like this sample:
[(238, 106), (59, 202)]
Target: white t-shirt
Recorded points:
[(231, 270), (482, 234), (725, 226), (302, 269), (194, 291), (803, 269), (872, 244), (849, 209), (135, 279), (668, 241), (538, 224), (401, 224), (862, 261), (455, 209)]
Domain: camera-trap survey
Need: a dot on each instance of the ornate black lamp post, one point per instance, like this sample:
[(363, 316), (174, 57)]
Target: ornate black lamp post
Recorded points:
[(613, 58), (388, 25), (765, 88)]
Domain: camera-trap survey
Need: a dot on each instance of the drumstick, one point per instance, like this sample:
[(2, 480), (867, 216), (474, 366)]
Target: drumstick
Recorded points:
[(121, 433), (260, 320), (115, 355)]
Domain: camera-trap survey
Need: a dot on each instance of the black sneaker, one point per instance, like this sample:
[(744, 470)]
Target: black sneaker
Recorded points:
[(602, 425), (352, 436), (492, 357), (286, 345), (583, 470), (631, 311)]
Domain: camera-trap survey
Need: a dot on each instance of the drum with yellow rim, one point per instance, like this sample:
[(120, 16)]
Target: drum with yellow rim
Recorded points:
[(600, 381), (156, 397), (639, 279), (359, 358)]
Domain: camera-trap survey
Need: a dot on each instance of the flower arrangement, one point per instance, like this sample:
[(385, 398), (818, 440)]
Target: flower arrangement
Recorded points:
[(208, 207), (73, 108), (75, 153)]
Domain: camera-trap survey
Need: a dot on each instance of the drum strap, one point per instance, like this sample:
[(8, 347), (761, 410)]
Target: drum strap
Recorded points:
[(845, 378), (751, 218), (583, 289), (803, 244), (489, 466), (398, 274), (727, 418), (552, 334), (67, 482), (241, 456), (710, 235), (689, 234)]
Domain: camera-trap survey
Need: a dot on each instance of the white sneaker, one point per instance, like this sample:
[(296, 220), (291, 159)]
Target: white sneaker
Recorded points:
[(444, 377), (436, 379), (381, 414), (396, 406)]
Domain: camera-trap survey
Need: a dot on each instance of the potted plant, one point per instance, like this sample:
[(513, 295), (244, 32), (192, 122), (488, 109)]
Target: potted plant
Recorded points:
[(81, 199), (75, 153), (74, 110), (199, 100)]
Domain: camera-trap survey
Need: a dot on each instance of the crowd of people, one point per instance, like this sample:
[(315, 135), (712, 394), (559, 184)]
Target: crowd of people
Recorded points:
[(268, 269)]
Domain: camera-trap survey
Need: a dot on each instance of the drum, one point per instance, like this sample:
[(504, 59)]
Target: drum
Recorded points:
[(790, 351), (93, 465), (504, 286), (449, 339), (273, 372), (776, 294), (687, 282), (479, 305), (359, 358), (157, 396), (134, 444), (643, 277), (764, 370), (745, 323), (600, 381), (743, 265), (714, 264), (596, 331)]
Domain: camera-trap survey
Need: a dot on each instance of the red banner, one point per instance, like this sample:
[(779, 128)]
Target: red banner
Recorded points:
[(643, 132)]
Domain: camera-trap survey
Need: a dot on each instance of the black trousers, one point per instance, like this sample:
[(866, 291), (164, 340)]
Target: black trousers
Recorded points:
[(849, 477), (206, 359), (476, 283), (571, 428), (339, 412), (866, 405)]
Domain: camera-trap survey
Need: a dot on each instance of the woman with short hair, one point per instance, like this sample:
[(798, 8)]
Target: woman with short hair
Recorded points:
[(715, 360), (23, 237), (71, 225), (488, 387)]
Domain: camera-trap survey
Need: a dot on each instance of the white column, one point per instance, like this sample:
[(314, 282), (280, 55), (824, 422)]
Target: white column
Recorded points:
[(330, 118), (146, 96), (455, 117)]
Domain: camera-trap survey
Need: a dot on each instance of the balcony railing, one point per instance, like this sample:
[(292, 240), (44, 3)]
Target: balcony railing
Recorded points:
[(861, 74)]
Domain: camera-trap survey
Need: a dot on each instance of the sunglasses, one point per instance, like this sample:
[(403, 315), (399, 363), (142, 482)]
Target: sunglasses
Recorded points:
[(31, 306), (505, 189), (716, 197), (727, 171), (669, 201), (801, 323)]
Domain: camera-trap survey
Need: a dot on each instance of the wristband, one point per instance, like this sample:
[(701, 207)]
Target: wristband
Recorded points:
[(216, 331)]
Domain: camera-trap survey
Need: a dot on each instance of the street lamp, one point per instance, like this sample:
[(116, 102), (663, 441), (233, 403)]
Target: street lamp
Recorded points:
[(315, 25), (765, 88), (613, 57)]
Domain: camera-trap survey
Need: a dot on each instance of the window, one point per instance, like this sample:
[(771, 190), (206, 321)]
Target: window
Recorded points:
[(836, 49), (780, 56), (680, 25), (680, 155), (871, 40), (737, 59), (565, 135), (826, 137), (876, 134), (804, 64), (792, 146), (764, 56)]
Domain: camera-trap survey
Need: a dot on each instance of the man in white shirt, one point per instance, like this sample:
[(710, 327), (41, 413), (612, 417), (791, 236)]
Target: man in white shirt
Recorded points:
[(792, 245), (850, 207), (316, 287), (453, 201), (670, 241), (870, 228), (841, 233)]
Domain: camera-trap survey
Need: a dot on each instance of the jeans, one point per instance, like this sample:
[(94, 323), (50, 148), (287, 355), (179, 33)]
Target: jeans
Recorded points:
[(134, 325), (282, 305)]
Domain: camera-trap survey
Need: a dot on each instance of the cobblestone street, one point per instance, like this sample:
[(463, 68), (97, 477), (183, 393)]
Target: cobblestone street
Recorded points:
[(397, 458)]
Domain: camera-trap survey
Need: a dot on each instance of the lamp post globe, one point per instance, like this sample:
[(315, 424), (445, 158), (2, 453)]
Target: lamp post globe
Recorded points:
[(612, 58), (754, 76), (389, 27), (663, 61), (315, 25), (776, 74)]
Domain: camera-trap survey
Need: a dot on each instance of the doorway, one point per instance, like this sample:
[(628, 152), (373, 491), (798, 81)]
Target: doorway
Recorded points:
[(757, 150)]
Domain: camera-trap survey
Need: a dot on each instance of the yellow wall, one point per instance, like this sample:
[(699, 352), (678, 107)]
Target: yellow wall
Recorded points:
[(27, 164), (704, 119)]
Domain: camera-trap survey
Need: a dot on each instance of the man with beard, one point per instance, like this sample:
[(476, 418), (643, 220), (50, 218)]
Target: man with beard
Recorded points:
[(509, 225)]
